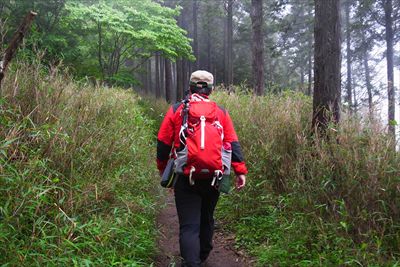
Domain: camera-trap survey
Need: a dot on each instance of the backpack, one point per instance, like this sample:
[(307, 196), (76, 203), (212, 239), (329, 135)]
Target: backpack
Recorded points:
[(203, 153)]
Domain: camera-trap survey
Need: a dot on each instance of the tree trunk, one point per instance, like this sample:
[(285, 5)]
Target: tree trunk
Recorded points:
[(99, 50), (348, 57), (174, 82), (209, 67), (225, 44), (326, 102), (15, 42), (168, 81), (310, 55), (158, 85), (149, 85), (367, 76), (355, 102), (162, 76), (229, 47), (215, 73), (185, 71), (179, 79), (258, 46), (310, 68), (390, 68), (302, 78), (210, 20), (195, 34), (182, 64)]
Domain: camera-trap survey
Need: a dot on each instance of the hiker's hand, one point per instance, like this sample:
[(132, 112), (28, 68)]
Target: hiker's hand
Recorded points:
[(240, 181)]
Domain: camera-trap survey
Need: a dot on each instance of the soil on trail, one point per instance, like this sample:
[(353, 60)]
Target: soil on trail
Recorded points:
[(223, 254)]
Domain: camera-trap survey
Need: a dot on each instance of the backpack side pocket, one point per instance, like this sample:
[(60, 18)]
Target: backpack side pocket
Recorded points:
[(226, 159), (181, 160)]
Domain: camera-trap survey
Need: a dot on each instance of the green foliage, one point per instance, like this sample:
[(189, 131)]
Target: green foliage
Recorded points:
[(121, 31), (49, 31), (75, 186), (105, 40)]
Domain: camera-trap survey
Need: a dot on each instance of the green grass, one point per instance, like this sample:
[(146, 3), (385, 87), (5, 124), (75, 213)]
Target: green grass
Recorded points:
[(77, 183)]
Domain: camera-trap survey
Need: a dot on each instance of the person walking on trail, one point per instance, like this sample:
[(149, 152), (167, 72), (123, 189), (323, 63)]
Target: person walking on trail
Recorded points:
[(198, 136)]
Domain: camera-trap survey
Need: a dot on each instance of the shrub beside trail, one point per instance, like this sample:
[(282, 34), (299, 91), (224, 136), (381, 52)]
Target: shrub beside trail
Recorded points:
[(311, 201), (75, 183)]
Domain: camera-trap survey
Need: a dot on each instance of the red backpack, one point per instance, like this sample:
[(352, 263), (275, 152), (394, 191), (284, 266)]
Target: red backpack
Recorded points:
[(202, 138)]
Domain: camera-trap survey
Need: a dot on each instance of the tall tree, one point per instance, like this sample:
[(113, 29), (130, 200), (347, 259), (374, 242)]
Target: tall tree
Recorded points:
[(310, 45), (208, 28), (327, 93), (388, 7), (185, 22), (162, 77), (195, 10), (310, 68), (147, 73), (368, 84), (168, 80), (158, 82), (348, 56), (364, 37), (257, 46), (229, 44), (179, 79)]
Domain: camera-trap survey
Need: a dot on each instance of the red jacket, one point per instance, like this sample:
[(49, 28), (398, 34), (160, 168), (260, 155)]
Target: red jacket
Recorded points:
[(168, 136)]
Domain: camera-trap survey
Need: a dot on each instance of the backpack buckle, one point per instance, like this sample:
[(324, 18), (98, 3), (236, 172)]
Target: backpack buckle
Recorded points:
[(217, 177)]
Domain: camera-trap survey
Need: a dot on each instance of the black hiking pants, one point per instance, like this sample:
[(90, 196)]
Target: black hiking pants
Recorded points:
[(195, 205)]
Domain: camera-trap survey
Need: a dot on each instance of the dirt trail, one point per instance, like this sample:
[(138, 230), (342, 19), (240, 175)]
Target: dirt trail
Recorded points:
[(222, 255)]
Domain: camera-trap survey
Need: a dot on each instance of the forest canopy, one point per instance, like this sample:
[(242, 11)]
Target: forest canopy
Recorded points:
[(106, 40)]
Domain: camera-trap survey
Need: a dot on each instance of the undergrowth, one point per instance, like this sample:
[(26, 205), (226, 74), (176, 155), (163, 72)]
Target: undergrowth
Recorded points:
[(310, 201), (75, 184)]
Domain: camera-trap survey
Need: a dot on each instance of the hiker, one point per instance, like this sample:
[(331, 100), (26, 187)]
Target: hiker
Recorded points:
[(195, 132)]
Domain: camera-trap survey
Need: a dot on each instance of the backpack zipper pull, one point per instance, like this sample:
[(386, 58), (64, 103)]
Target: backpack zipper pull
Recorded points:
[(202, 127)]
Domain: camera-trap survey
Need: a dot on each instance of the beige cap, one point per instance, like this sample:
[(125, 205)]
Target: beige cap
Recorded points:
[(202, 76)]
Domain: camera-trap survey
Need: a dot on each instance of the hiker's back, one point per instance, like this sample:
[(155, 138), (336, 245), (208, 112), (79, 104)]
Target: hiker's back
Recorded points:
[(200, 136)]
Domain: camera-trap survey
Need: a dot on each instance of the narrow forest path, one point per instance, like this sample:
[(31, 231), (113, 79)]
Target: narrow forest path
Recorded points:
[(223, 254)]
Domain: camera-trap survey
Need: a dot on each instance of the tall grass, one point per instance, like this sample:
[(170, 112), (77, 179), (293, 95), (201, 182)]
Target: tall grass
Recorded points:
[(75, 183), (312, 201)]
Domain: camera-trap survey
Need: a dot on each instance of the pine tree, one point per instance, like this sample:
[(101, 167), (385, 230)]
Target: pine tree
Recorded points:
[(327, 91), (257, 46)]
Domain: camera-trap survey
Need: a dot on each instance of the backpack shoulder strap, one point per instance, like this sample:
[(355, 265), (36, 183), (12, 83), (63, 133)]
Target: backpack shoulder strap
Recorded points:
[(222, 109), (176, 106)]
